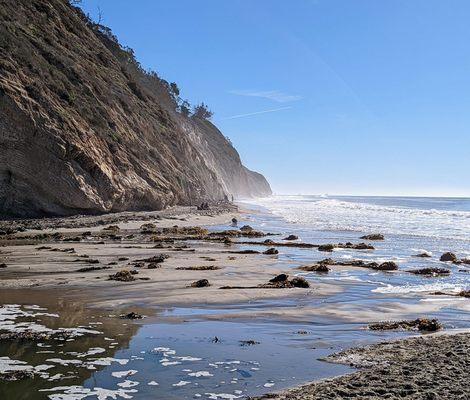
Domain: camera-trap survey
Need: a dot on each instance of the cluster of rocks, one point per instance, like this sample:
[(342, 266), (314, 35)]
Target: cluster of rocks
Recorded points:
[(374, 236), (451, 257), (282, 281), (421, 324), (348, 245), (429, 271)]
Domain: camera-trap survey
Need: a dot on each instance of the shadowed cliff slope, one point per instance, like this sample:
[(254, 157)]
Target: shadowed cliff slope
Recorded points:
[(84, 129)]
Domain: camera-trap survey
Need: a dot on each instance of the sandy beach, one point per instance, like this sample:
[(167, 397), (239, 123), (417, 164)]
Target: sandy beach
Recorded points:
[(184, 265)]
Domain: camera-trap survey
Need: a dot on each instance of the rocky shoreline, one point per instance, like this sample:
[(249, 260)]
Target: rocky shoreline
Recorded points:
[(426, 368)]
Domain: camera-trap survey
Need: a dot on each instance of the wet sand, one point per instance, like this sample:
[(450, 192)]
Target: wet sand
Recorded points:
[(428, 367), (42, 263), (75, 257)]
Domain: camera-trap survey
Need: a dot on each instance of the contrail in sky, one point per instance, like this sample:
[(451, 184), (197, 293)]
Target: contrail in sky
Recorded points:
[(256, 113)]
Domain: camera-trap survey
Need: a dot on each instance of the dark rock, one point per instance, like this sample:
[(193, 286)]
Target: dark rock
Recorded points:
[(432, 271), (386, 266), (200, 283), (234, 221), (423, 255), (322, 268), (279, 278), (245, 252), (201, 268), (248, 342), (92, 261), (159, 258), (131, 315), (374, 236), (299, 282), (3, 265), (326, 247), (90, 269), (271, 251), (123, 258), (421, 324), (246, 228), (122, 276), (153, 265), (291, 237), (449, 257)]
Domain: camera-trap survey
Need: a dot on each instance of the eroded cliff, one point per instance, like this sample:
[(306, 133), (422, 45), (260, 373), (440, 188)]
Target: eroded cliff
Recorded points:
[(84, 129)]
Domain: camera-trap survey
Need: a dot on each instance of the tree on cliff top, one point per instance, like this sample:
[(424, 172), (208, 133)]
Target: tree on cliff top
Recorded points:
[(202, 111)]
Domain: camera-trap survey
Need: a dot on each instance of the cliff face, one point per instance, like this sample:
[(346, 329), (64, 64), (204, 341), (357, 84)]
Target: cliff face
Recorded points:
[(83, 129)]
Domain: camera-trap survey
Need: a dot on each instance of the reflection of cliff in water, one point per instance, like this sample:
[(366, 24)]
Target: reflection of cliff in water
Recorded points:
[(115, 335)]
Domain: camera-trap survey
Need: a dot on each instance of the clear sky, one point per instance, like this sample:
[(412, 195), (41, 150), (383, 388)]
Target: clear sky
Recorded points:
[(321, 96)]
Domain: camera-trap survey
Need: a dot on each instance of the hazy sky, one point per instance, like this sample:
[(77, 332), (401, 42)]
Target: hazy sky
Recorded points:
[(321, 96)]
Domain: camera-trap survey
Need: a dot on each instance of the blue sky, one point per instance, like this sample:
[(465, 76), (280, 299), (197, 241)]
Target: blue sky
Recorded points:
[(321, 96)]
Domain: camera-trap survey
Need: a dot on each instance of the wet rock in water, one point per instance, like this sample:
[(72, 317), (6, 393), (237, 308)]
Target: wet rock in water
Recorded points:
[(464, 293), (326, 247), (299, 282), (246, 228), (137, 264), (291, 237), (386, 266), (113, 263), (359, 246), (200, 283), (123, 258), (421, 324), (268, 242), (465, 260), (321, 268), (92, 261), (131, 315), (3, 265), (122, 276), (423, 255), (449, 256), (271, 251), (153, 266), (374, 236), (248, 342), (279, 278), (431, 271)]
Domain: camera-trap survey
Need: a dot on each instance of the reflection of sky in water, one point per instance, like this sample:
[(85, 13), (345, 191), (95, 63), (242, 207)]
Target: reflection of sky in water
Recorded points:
[(181, 361)]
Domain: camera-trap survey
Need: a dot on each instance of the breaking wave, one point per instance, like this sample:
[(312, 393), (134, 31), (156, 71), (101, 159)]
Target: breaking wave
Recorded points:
[(426, 217)]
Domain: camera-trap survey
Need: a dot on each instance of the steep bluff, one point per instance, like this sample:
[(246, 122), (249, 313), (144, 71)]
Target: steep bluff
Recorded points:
[(84, 129)]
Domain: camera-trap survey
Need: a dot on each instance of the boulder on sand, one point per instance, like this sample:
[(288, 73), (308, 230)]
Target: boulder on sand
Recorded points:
[(271, 251), (299, 282), (122, 276), (200, 283), (291, 237)]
